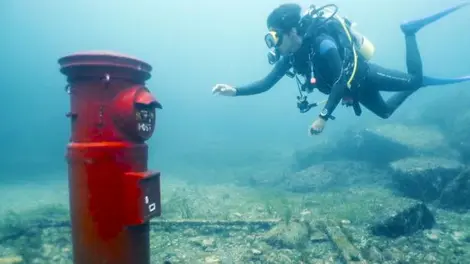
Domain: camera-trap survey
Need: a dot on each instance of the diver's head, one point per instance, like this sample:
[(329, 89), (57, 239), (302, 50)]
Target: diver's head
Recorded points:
[(283, 25)]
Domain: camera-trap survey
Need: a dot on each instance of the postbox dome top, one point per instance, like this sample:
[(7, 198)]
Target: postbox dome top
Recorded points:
[(104, 58)]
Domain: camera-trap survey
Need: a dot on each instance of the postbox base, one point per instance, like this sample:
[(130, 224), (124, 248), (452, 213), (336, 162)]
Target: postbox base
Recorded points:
[(110, 192)]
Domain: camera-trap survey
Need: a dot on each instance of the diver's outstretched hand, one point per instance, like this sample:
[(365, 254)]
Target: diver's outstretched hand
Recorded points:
[(224, 89)]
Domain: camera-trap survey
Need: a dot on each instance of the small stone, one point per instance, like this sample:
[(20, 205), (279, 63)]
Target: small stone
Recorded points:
[(287, 236), (11, 259), (212, 260), (458, 236), (433, 235), (430, 259), (305, 212), (317, 236), (237, 215), (206, 243), (47, 249), (189, 232), (260, 209), (375, 255)]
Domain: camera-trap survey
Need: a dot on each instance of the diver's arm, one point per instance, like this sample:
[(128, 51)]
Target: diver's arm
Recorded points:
[(329, 52), (263, 85)]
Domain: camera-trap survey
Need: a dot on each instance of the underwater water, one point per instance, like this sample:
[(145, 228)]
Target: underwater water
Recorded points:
[(242, 181)]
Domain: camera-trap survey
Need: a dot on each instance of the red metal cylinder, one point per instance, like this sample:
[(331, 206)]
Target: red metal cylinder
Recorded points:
[(112, 194)]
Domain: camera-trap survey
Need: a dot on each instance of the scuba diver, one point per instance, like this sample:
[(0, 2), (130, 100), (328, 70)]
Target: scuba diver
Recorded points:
[(329, 54)]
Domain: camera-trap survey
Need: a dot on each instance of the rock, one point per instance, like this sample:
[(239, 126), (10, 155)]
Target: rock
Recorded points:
[(265, 177), (364, 145), (237, 215), (432, 235), (318, 153), (357, 145), (421, 140), (317, 236), (333, 174), (458, 135), (212, 260), (378, 145), (204, 243), (456, 195), (374, 255), (287, 236), (453, 120), (11, 260), (461, 236), (414, 218), (445, 117), (424, 178), (383, 144)]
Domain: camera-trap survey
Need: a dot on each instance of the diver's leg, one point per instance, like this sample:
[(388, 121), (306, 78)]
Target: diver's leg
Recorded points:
[(414, 63), (390, 80), (382, 79), (413, 57), (371, 99), (413, 26)]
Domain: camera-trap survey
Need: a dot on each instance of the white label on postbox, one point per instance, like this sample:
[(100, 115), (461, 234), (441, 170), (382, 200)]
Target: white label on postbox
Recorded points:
[(143, 127), (152, 206), (145, 119)]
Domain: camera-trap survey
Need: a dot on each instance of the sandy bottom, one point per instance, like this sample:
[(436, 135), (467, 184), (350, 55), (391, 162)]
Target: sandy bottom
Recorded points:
[(25, 196)]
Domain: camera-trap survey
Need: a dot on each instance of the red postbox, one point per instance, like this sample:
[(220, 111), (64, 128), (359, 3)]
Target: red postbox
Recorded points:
[(113, 195)]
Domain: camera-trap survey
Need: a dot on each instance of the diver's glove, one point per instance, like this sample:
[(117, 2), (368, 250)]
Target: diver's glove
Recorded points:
[(224, 89)]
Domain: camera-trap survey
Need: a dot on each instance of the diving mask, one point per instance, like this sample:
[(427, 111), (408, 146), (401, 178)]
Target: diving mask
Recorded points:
[(273, 39)]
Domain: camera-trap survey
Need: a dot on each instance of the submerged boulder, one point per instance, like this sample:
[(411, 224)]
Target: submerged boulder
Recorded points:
[(411, 220), (424, 178), (332, 174), (378, 146), (357, 145), (458, 135), (320, 152), (265, 177), (456, 195), (422, 140), (371, 146), (453, 120), (448, 106)]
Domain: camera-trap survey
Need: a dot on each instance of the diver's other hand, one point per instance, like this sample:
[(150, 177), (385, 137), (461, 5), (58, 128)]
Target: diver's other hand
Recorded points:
[(317, 126), (224, 89)]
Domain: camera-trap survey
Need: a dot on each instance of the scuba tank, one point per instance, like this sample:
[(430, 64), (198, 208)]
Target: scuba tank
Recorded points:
[(361, 43)]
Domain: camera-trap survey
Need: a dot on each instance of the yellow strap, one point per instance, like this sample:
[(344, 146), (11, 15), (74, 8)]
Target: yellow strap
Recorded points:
[(354, 53)]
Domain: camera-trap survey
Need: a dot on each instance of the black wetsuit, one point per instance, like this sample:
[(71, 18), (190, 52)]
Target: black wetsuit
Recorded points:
[(369, 80)]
